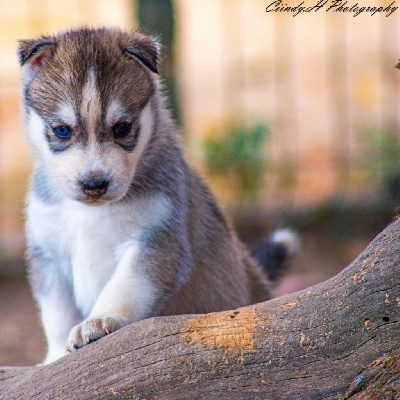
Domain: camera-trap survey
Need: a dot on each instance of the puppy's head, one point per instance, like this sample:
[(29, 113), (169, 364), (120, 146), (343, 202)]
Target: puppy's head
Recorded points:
[(87, 99)]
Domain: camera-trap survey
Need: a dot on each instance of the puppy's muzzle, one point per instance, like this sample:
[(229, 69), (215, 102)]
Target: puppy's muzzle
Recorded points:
[(94, 188)]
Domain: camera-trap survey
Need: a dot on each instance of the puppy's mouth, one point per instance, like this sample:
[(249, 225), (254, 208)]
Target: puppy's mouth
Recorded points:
[(93, 200)]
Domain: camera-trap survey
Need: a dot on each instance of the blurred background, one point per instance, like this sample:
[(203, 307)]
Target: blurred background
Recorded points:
[(293, 121)]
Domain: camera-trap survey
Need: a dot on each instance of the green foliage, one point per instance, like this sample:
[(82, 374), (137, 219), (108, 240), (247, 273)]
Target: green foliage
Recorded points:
[(382, 147), (239, 154), (382, 157)]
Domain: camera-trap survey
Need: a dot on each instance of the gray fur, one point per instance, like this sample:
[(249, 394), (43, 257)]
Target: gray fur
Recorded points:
[(44, 187)]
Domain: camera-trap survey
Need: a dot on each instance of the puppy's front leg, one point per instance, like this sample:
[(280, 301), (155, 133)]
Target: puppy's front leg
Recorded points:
[(127, 297), (58, 314), (55, 299)]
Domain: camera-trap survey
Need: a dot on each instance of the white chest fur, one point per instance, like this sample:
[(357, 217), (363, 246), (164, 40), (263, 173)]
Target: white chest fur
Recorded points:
[(95, 234), (89, 241)]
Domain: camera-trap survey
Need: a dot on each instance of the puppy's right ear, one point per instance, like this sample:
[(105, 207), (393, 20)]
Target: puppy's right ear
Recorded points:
[(33, 55), (144, 49)]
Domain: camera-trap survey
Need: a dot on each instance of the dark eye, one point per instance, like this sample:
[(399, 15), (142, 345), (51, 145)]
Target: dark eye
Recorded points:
[(122, 129), (62, 132)]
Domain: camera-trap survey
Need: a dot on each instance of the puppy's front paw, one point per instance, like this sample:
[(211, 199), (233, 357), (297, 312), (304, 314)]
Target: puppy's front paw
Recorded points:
[(91, 330)]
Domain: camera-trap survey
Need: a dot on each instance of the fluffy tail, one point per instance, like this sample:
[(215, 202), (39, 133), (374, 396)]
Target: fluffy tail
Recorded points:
[(273, 252)]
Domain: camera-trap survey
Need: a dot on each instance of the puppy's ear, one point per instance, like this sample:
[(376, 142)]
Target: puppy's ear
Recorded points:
[(145, 49), (33, 55)]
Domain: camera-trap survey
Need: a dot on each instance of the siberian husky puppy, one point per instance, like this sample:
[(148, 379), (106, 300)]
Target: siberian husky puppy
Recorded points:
[(119, 226)]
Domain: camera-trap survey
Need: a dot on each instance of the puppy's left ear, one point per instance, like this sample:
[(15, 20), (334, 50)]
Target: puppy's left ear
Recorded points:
[(144, 49)]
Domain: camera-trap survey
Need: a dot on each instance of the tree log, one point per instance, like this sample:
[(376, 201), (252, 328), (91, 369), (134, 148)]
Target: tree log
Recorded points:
[(337, 340)]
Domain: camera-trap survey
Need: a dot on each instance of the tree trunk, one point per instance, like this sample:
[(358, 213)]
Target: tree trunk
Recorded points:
[(338, 339)]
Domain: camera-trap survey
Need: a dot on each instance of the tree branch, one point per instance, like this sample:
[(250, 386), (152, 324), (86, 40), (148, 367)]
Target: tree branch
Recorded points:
[(338, 339)]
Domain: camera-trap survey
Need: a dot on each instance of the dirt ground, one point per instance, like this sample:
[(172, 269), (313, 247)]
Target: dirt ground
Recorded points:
[(21, 339)]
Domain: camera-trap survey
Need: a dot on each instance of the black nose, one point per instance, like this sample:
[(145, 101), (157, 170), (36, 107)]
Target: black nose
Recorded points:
[(94, 187)]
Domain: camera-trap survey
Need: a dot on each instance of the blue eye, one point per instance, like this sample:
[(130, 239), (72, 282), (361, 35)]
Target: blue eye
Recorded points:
[(62, 132)]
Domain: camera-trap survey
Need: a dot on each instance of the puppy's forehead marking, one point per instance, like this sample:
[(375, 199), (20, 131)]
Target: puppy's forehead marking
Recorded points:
[(91, 103)]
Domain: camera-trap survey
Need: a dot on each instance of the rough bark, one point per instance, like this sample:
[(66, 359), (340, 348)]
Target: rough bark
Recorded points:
[(337, 340)]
